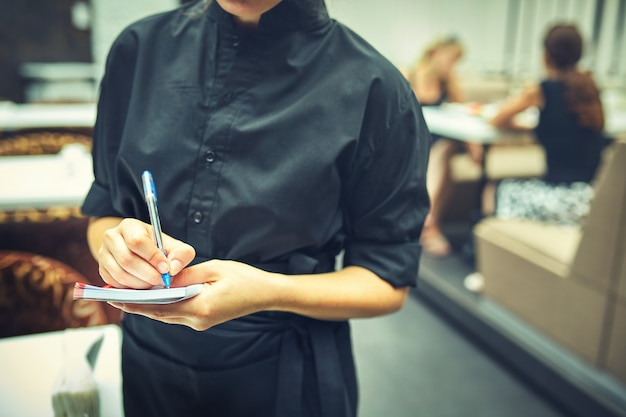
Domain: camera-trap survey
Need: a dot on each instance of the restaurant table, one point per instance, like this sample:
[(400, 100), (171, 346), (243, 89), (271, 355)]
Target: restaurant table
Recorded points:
[(469, 122), (46, 116), (44, 181), (454, 123), (615, 122), (30, 365)]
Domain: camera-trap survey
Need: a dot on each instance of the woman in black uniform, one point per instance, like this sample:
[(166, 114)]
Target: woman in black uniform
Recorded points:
[(277, 139)]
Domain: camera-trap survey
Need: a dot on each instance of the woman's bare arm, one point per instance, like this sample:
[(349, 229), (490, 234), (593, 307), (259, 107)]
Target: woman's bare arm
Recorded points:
[(529, 97)]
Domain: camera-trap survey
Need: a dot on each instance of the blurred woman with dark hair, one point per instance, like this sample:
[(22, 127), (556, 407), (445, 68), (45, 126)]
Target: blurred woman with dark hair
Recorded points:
[(571, 121)]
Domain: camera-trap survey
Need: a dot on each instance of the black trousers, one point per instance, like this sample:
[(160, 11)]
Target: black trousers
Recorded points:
[(305, 370)]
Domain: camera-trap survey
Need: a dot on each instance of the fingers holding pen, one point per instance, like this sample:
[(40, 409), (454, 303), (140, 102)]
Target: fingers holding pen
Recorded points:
[(128, 256)]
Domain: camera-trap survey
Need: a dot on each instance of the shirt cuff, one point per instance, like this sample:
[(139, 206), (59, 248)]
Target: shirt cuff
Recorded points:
[(397, 264)]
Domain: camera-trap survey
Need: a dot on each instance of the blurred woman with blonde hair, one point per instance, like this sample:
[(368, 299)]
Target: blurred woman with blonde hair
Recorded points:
[(432, 77), (434, 82)]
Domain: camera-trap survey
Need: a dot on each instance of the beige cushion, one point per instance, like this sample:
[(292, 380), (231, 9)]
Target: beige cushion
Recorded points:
[(599, 253), (621, 285), (515, 161), (550, 246), (484, 90), (524, 160)]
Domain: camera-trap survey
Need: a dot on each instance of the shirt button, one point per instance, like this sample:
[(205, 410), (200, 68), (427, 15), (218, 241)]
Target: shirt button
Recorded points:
[(209, 157), (197, 217)]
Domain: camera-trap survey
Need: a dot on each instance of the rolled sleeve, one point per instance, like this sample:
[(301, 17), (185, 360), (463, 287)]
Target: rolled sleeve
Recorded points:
[(397, 264), (387, 200)]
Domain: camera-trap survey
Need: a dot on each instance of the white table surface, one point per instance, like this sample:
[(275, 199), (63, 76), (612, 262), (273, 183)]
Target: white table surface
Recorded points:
[(454, 124), (615, 121), (30, 365), (30, 116), (43, 181), (458, 121)]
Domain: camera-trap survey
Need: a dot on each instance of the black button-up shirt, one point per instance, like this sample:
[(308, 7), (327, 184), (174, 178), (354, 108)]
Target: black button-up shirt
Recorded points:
[(297, 137), (278, 147)]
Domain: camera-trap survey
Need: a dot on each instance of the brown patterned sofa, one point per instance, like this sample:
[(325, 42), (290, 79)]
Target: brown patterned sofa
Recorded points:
[(43, 252), (36, 296)]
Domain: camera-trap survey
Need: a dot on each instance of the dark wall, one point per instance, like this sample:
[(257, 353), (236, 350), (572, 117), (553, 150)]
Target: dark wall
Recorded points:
[(37, 31)]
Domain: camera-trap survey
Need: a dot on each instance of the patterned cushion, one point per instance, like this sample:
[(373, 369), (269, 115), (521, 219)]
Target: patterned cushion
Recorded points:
[(57, 233), (41, 143), (36, 296)]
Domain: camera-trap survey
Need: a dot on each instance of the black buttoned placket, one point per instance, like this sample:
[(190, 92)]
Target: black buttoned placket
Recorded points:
[(222, 104)]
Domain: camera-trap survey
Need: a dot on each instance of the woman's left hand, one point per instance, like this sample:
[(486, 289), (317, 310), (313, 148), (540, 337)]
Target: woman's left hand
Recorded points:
[(232, 289)]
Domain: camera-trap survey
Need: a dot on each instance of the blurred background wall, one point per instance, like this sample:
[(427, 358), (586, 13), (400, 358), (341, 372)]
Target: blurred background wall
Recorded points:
[(56, 50), (502, 38), (37, 31), (66, 41)]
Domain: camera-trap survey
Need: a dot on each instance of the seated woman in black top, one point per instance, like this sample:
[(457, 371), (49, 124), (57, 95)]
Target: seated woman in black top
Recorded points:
[(570, 127)]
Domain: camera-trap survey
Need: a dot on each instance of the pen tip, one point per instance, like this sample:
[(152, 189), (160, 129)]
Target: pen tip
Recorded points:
[(166, 280)]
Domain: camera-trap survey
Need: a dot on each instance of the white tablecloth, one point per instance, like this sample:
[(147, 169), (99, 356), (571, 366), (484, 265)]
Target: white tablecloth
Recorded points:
[(462, 122), (31, 116), (30, 364), (42, 181)]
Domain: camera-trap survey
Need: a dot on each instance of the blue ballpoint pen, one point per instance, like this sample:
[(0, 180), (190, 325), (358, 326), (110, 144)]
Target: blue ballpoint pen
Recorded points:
[(149, 191)]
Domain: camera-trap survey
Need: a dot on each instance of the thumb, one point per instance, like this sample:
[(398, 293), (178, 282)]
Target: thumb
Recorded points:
[(197, 274), (179, 254)]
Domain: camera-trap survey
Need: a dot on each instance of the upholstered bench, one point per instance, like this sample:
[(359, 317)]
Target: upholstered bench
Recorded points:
[(569, 282), (520, 158)]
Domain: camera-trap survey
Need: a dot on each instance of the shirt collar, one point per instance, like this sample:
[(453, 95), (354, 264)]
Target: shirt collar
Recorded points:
[(286, 16)]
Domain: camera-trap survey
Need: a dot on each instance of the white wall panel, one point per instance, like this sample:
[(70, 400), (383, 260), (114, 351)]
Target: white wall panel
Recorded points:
[(110, 17), (401, 28)]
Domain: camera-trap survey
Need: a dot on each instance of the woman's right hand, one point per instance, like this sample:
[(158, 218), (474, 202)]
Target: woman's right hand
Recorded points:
[(129, 258), (476, 151)]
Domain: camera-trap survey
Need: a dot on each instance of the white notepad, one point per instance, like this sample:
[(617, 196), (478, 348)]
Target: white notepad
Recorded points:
[(155, 295)]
